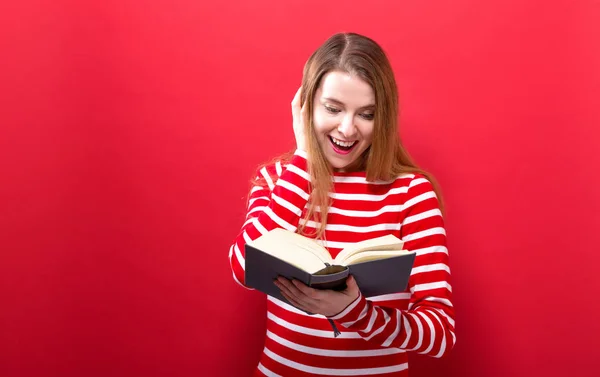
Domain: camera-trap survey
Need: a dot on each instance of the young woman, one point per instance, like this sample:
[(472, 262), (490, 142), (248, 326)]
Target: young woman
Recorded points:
[(350, 179)]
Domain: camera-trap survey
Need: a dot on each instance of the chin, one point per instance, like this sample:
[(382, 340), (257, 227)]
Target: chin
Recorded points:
[(343, 167), (338, 168)]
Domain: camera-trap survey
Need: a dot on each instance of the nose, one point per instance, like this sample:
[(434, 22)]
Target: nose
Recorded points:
[(347, 127)]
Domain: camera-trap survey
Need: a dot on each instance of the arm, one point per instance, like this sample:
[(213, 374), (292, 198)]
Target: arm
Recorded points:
[(278, 205), (427, 326)]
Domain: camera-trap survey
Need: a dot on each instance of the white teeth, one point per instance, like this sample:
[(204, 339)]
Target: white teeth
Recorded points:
[(345, 144)]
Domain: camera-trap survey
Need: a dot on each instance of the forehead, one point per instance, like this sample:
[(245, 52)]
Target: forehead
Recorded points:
[(346, 88)]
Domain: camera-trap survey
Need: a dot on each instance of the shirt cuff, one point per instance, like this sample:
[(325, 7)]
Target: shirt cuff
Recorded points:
[(356, 311)]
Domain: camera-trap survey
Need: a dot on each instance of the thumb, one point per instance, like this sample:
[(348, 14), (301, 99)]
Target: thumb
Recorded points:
[(351, 284)]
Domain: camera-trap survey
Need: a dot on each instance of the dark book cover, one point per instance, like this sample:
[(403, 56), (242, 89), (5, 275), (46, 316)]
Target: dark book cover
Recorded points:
[(376, 277)]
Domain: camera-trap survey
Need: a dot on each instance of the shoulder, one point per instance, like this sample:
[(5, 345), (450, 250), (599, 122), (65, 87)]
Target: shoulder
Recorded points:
[(276, 166), (420, 195), (408, 181), (415, 187), (267, 173), (272, 168)]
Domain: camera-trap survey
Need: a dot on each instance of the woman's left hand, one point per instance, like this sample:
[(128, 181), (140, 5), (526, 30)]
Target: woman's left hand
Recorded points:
[(325, 302)]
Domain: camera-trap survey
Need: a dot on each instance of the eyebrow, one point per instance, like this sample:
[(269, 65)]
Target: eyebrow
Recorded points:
[(342, 104)]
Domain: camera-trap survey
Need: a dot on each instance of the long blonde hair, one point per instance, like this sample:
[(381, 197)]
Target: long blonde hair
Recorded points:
[(386, 158)]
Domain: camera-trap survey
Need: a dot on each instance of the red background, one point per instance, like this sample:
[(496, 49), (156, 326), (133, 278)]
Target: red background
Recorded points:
[(129, 130)]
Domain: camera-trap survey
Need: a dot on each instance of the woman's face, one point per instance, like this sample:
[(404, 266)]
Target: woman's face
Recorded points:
[(343, 118)]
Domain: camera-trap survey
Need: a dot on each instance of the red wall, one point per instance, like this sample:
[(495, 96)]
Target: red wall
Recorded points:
[(128, 131)]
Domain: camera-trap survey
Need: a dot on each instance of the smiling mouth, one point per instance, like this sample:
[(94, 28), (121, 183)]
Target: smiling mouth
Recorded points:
[(342, 147)]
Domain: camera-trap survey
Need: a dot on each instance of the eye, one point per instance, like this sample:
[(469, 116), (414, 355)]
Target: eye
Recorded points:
[(367, 116), (331, 110)]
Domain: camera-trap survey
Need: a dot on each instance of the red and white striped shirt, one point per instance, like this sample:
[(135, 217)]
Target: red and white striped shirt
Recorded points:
[(376, 332)]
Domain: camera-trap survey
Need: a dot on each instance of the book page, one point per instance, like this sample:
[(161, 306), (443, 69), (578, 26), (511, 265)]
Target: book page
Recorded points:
[(293, 248), (366, 256), (383, 243)]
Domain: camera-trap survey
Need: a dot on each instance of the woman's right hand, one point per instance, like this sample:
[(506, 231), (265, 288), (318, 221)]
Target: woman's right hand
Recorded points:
[(298, 114)]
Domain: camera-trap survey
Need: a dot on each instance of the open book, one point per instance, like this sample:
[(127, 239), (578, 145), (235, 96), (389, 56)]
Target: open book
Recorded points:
[(379, 265)]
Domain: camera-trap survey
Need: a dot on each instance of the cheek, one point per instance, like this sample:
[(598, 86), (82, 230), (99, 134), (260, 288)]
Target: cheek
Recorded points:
[(366, 131), (322, 122)]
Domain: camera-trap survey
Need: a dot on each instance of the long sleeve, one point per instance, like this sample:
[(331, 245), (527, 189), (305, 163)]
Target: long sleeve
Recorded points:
[(280, 204), (427, 326)]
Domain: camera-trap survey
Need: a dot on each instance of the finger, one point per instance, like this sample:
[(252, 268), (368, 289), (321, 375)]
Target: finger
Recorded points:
[(351, 282), (296, 100), (309, 307), (306, 290), (285, 284), (292, 301), (352, 288), (283, 289)]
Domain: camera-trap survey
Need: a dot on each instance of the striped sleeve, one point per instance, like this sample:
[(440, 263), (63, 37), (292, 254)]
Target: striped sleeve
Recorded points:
[(427, 326), (280, 204)]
